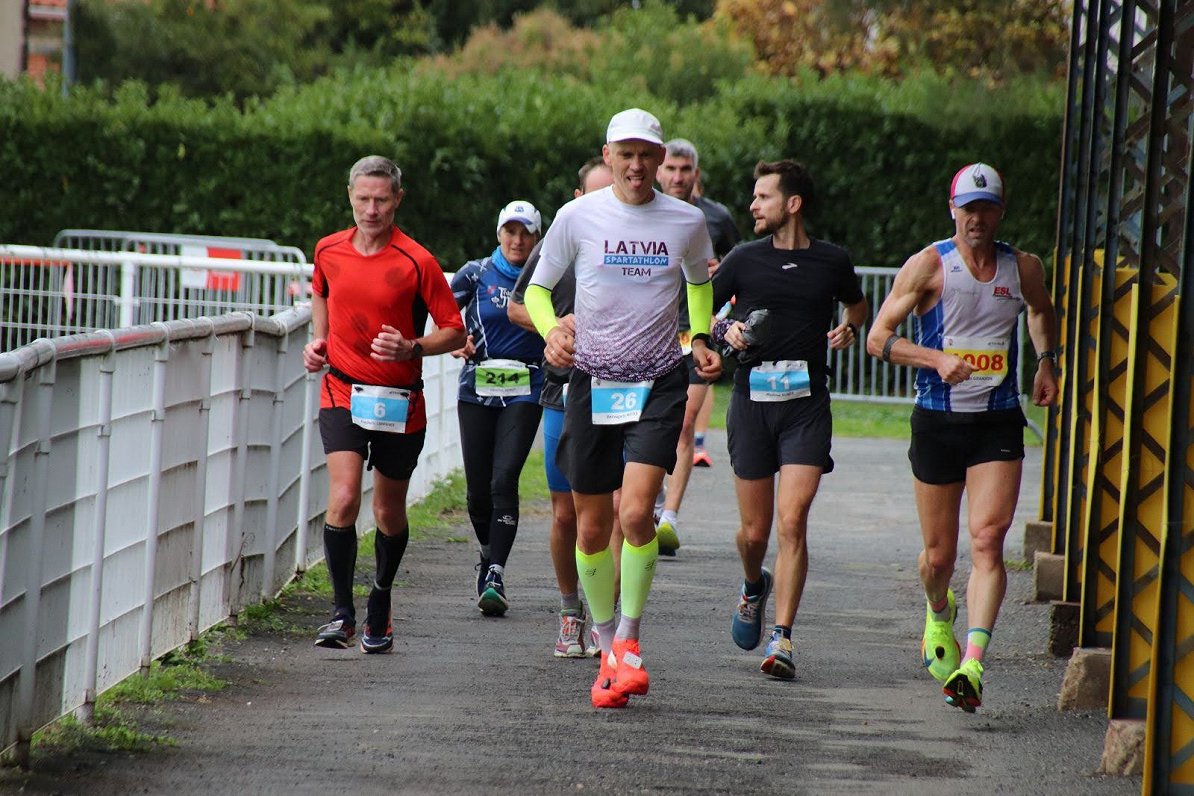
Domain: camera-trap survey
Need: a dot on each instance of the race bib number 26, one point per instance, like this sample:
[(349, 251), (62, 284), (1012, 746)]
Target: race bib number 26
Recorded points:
[(618, 402)]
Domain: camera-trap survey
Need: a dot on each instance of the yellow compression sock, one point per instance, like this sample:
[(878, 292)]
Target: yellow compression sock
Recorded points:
[(596, 573), (638, 570)]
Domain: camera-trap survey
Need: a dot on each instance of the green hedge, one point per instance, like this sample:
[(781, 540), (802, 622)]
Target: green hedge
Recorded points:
[(468, 145)]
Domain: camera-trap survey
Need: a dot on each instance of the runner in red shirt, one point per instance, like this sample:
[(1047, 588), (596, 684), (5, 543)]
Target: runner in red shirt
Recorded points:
[(373, 290)]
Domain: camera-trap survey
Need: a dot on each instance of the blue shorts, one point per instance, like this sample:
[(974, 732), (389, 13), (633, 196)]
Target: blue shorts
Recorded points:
[(553, 426)]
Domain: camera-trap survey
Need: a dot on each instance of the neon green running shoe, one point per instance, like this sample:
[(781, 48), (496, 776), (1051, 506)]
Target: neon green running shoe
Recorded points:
[(939, 649), (667, 531), (964, 688)]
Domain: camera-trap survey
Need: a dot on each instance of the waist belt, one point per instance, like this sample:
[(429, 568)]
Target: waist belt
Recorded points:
[(344, 377)]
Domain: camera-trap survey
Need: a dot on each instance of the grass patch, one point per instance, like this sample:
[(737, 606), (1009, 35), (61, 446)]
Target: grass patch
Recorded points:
[(444, 507), (113, 727), (111, 731), (166, 681), (1019, 565)]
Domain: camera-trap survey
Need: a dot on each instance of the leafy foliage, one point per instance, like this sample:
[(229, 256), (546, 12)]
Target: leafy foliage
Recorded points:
[(991, 39), (651, 50), (881, 153)]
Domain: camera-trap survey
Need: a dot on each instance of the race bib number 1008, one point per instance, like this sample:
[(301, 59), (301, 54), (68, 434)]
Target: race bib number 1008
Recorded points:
[(987, 355)]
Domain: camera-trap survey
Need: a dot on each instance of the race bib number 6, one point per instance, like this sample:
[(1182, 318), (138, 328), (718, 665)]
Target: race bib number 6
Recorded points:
[(987, 355), (502, 378), (380, 408), (618, 402)]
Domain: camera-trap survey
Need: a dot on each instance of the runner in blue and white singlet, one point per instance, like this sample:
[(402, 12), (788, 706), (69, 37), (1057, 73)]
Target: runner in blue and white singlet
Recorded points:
[(965, 294), (976, 321)]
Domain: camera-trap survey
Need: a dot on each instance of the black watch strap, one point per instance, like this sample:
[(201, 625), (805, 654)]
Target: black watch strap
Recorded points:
[(417, 351)]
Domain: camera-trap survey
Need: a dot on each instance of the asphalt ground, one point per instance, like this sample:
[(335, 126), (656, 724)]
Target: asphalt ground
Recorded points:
[(470, 704)]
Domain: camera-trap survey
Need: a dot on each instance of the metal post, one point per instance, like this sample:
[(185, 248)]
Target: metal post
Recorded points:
[(25, 722), (270, 531), (128, 294), (240, 435), (156, 432), (99, 525), (199, 522), (310, 385)]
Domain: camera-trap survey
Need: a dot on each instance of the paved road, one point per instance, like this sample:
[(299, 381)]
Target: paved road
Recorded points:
[(471, 704)]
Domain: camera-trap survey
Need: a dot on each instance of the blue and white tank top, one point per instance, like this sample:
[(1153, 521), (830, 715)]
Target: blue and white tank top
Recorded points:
[(976, 321)]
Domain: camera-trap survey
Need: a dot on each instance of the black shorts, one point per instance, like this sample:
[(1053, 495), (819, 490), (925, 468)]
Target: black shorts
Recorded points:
[(944, 444), (592, 457), (693, 376), (765, 435), (393, 455)]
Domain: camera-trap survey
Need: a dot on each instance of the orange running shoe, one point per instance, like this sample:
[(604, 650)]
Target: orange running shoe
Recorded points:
[(602, 693), (632, 675)]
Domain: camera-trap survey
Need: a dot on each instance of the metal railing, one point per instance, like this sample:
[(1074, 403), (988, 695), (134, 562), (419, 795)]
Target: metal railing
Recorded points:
[(154, 481), (860, 377), (49, 292)]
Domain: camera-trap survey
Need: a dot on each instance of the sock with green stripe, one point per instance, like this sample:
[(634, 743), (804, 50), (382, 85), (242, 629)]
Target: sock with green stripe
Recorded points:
[(977, 639)]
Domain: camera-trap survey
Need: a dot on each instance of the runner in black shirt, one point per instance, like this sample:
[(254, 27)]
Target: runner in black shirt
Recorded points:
[(779, 419)]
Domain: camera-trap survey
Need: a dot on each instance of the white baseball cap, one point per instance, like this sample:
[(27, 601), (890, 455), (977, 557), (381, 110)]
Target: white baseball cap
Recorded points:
[(634, 124), (974, 182), (521, 210)]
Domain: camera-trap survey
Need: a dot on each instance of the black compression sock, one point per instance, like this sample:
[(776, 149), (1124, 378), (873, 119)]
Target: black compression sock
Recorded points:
[(340, 552), (389, 550)]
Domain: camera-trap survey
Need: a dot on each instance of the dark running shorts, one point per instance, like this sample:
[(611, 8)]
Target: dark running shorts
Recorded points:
[(392, 455), (765, 435), (592, 456), (944, 444)]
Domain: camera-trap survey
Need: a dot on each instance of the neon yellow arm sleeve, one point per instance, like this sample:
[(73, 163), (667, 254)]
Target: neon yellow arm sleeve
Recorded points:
[(700, 307), (543, 315)]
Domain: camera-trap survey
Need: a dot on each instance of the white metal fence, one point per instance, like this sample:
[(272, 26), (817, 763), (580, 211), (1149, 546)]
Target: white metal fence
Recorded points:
[(53, 291), (153, 481)]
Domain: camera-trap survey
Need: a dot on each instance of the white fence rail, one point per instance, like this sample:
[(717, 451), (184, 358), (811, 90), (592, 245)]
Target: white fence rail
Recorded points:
[(48, 292), (153, 481)]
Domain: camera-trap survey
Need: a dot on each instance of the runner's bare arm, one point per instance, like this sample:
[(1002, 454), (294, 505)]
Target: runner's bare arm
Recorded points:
[(1042, 326), (916, 284)]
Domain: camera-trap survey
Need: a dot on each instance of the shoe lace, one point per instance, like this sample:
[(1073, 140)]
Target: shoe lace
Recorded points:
[(748, 608), (569, 628)]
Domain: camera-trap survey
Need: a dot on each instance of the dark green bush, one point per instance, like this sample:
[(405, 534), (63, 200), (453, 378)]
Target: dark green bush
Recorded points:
[(882, 157)]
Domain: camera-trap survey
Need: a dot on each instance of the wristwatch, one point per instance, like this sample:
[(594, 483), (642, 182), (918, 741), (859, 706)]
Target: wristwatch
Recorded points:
[(417, 350), (1046, 355)]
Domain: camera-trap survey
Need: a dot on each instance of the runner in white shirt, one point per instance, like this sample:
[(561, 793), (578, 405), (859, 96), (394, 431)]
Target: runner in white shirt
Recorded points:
[(630, 247)]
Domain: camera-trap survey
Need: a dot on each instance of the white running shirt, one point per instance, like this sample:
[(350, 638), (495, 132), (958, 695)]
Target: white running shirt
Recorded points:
[(628, 260)]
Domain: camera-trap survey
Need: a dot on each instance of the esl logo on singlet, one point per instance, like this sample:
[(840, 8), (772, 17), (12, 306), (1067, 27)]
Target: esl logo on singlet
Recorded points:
[(636, 258)]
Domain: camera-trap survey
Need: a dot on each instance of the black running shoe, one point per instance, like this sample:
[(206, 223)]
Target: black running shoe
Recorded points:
[(492, 601), (379, 628), (482, 568), (337, 634)]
